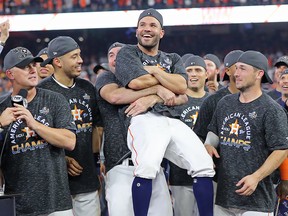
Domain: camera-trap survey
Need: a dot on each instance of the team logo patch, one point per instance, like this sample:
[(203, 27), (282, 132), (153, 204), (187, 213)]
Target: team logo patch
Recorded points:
[(77, 113), (44, 110), (253, 115), (86, 96)]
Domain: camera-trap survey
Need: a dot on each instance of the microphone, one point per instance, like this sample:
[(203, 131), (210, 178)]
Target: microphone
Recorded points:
[(20, 98)]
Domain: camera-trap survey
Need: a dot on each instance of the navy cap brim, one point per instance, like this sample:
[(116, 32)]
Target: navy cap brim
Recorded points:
[(47, 61), (27, 61), (266, 79), (226, 77)]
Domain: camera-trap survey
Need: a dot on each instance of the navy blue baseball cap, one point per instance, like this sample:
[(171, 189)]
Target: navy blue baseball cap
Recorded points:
[(59, 46), (195, 60), (116, 44), (284, 72), (19, 57), (257, 60), (43, 51), (230, 59), (283, 60), (214, 59), (185, 57), (151, 12)]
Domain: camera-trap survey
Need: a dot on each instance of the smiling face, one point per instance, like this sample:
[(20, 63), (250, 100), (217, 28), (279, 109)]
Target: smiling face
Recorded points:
[(197, 76), (70, 63), (149, 32), (283, 83)]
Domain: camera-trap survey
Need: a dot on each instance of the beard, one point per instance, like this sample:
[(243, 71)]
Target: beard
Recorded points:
[(148, 45), (244, 87)]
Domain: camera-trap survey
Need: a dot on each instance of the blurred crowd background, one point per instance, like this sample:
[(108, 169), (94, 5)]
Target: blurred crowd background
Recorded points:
[(269, 38), (59, 6)]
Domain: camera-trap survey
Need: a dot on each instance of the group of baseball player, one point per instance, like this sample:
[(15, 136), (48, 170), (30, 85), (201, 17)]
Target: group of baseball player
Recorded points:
[(176, 142)]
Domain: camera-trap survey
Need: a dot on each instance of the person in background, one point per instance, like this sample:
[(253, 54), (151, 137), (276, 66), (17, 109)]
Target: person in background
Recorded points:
[(64, 54), (280, 65), (209, 104), (282, 185), (4, 34), (46, 70), (213, 69), (34, 136)]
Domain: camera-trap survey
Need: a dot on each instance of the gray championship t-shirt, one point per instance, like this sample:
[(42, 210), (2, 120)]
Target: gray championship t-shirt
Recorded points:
[(130, 61), (115, 143), (32, 167), (207, 110), (84, 110), (248, 133)]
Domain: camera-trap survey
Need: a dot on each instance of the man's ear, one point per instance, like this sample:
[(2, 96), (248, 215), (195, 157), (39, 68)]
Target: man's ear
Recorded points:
[(57, 62), (10, 74)]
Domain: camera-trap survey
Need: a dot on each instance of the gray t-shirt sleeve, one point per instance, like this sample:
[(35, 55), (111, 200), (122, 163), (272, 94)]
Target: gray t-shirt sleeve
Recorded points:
[(277, 138), (128, 65)]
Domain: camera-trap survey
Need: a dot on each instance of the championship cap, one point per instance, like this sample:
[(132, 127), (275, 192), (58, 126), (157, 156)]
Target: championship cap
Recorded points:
[(151, 12), (230, 59), (284, 72), (185, 57), (116, 44), (43, 51), (103, 66), (283, 60), (59, 46), (214, 59), (258, 60), (19, 57), (195, 60)]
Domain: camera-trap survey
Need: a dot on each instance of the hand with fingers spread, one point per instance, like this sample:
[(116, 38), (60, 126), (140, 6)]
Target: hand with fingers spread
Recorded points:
[(74, 168), (247, 185)]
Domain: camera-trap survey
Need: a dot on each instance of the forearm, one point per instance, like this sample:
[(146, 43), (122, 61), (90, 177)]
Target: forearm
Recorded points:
[(174, 82), (61, 138), (272, 163), (120, 95), (96, 139), (143, 82), (181, 99)]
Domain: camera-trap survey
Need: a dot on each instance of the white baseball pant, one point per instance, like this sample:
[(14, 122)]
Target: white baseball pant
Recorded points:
[(151, 137), (119, 195)]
